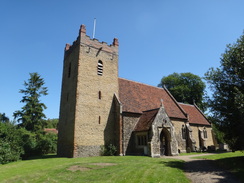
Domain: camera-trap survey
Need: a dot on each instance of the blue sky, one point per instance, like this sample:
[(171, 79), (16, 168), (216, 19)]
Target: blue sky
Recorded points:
[(156, 37)]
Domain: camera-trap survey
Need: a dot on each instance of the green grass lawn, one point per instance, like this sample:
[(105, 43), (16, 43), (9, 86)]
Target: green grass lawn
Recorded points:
[(94, 169), (192, 153), (231, 161)]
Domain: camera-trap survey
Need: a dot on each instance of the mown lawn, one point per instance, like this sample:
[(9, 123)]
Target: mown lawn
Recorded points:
[(231, 161), (134, 169), (192, 153)]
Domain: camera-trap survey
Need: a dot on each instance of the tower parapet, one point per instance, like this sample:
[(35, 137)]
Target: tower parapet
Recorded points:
[(85, 40)]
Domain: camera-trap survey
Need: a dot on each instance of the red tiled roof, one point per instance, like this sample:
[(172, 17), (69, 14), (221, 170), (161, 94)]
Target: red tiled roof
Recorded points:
[(137, 97), (194, 114), (51, 130), (146, 119)]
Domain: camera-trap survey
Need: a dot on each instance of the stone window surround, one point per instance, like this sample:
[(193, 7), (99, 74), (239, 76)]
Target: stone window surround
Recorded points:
[(99, 68), (205, 133), (141, 139), (183, 132)]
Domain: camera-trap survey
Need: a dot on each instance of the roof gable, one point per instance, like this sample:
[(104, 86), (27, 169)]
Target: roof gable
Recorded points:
[(194, 114), (146, 120), (137, 97)]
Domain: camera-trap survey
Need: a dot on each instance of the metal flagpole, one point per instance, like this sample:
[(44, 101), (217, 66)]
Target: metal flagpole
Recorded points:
[(94, 28)]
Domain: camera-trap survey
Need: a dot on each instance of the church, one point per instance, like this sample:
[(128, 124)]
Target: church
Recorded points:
[(98, 108)]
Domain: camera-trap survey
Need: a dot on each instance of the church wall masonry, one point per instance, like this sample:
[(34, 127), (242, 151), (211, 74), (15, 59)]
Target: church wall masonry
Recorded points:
[(178, 129), (68, 101), (129, 122), (92, 98)]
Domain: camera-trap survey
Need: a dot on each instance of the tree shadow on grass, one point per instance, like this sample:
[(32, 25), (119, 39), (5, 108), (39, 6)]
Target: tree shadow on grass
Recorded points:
[(173, 164), (47, 156), (233, 164), (203, 171)]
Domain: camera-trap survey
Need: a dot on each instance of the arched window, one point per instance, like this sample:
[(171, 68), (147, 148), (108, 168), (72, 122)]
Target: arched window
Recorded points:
[(205, 134), (100, 68), (183, 131)]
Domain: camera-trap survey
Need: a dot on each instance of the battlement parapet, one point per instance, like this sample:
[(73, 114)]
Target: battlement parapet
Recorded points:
[(85, 40)]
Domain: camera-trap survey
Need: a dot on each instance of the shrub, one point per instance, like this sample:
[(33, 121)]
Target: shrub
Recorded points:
[(18, 143), (8, 152), (10, 143), (108, 150), (188, 150), (47, 143), (29, 143)]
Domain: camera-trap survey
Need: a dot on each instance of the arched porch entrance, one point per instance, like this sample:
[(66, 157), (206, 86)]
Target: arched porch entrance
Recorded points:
[(165, 139)]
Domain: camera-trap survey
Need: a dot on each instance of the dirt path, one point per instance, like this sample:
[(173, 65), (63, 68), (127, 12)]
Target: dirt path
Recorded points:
[(205, 171)]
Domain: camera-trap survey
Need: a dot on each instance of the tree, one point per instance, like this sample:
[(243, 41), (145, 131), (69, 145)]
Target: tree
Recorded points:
[(31, 116), (3, 118), (32, 119), (51, 123), (10, 141), (186, 88), (227, 102)]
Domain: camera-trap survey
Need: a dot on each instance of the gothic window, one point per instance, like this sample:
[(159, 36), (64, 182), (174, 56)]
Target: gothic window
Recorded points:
[(205, 134), (141, 140), (100, 68), (183, 131)]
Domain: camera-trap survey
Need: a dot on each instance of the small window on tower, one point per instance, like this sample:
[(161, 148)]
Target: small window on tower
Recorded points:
[(67, 97), (99, 120), (100, 68), (69, 71), (99, 95)]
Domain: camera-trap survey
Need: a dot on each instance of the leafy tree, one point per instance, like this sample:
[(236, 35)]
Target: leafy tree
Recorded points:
[(32, 119), (186, 88), (227, 102), (47, 143), (31, 116), (3, 118), (10, 142), (51, 123), (219, 135)]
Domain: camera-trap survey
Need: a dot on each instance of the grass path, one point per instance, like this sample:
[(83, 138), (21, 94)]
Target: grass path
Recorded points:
[(95, 169)]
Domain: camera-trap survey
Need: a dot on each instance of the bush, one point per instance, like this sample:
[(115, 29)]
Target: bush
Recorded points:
[(10, 143), (29, 143), (40, 143), (8, 153), (188, 150), (47, 143), (108, 150), (18, 143)]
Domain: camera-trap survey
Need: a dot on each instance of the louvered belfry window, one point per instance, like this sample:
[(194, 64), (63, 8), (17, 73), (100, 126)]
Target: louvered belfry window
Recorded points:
[(100, 68)]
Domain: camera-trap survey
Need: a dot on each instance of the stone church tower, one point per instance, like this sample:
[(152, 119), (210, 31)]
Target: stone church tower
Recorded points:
[(88, 113)]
